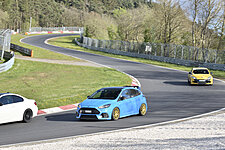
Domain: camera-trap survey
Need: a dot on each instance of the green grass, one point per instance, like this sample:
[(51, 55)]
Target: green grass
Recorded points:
[(40, 52), (54, 85), (67, 43)]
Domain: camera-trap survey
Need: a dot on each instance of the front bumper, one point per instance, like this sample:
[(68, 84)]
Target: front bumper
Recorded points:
[(201, 81), (93, 114)]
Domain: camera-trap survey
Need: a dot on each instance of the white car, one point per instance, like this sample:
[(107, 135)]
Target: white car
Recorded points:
[(14, 108)]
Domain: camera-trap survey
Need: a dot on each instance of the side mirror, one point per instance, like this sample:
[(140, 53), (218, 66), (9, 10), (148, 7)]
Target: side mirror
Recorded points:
[(1, 104), (211, 73), (122, 98), (190, 73)]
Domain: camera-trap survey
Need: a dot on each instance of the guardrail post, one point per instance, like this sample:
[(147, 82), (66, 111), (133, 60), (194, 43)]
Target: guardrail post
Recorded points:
[(189, 53), (175, 51), (103, 44), (162, 48), (215, 56), (96, 43), (182, 52), (2, 47)]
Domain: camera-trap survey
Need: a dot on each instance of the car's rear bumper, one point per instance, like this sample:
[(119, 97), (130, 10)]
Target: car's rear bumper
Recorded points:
[(35, 111)]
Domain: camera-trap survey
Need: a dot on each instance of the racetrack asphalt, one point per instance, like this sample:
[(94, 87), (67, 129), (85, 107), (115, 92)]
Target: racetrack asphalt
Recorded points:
[(168, 93)]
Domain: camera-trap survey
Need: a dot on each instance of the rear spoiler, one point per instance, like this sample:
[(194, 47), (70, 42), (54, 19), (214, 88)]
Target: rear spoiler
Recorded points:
[(137, 87)]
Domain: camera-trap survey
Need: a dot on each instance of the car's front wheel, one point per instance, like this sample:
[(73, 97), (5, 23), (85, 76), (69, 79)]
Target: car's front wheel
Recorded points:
[(116, 113), (142, 110), (27, 116)]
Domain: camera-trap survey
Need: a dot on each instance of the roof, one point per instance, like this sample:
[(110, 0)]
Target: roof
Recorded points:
[(199, 68), (4, 93), (124, 87)]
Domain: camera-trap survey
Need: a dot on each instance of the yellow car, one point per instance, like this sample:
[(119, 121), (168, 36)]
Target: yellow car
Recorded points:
[(200, 76)]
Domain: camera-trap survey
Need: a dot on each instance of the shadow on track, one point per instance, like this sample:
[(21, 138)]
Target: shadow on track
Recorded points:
[(69, 117), (179, 83)]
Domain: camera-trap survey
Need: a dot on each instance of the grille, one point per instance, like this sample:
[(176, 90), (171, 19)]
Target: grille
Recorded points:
[(89, 111), (88, 117)]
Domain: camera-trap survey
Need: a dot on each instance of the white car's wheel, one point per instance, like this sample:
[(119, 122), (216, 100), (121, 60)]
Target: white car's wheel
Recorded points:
[(27, 116)]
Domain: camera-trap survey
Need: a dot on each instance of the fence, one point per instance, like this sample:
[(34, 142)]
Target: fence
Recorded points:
[(176, 54), (5, 38)]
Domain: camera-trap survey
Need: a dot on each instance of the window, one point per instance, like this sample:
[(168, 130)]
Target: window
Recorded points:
[(6, 100), (106, 93), (17, 99), (201, 71), (126, 94), (134, 92)]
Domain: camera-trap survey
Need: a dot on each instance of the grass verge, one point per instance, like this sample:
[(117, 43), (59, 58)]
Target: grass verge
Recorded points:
[(67, 43), (54, 85), (40, 52)]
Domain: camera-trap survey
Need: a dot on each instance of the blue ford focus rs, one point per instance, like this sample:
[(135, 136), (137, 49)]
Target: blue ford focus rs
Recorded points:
[(112, 103)]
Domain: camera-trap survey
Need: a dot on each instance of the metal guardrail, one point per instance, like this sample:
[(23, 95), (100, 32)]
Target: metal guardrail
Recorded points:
[(182, 56), (5, 38), (22, 50), (41, 29), (8, 64)]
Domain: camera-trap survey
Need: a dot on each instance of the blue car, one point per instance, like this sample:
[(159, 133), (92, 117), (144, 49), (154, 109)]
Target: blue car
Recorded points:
[(112, 103)]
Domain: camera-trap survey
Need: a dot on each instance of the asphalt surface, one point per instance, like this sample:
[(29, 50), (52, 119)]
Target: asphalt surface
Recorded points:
[(169, 98)]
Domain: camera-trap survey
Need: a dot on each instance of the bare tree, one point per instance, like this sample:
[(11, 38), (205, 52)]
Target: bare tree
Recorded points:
[(170, 18), (194, 8), (207, 17), (221, 28)]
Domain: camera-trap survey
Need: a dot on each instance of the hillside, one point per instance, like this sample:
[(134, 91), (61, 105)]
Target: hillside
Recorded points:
[(194, 23)]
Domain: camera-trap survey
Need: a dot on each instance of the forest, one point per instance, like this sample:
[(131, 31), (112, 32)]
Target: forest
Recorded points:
[(198, 23)]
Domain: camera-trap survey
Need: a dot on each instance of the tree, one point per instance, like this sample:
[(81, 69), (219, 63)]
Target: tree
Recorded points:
[(71, 17), (3, 19), (170, 18), (194, 6), (208, 17), (130, 24), (221, 43), (96, 25)]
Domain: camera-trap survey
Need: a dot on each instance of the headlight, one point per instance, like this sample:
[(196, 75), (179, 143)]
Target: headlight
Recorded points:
[(104, 106), (209, 78), (193, 77), (79, 106)]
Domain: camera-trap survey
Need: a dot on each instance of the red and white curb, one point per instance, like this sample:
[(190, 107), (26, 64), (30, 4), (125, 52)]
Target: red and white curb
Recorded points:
[(135, 82), (57, 109)]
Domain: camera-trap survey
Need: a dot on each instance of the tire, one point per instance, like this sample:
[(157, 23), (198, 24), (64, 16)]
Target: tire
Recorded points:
[(142, 110), (189, 82), (27, 116), (116, 114)]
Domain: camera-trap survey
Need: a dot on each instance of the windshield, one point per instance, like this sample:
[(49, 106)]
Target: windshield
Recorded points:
[(108, 93), (201, 71)]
